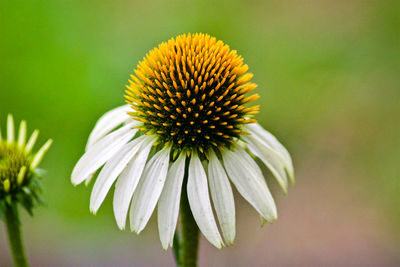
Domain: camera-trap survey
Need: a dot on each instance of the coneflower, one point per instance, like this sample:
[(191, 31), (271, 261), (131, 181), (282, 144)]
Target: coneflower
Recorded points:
[(187, 133)]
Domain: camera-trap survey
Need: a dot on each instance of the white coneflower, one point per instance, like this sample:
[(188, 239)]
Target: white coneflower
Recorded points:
[(18, 181), (185, 125)]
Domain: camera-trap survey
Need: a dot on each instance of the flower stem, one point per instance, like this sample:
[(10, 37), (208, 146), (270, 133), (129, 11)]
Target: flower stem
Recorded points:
[(14, 235), (190, 231), (177, 249)]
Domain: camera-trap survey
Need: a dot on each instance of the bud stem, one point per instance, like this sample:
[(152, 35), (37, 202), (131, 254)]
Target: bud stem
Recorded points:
[(14, 235)]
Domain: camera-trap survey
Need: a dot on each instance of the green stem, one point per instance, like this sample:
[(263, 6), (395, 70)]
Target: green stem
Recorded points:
[(190, 231), (14, 236), (177, 249)]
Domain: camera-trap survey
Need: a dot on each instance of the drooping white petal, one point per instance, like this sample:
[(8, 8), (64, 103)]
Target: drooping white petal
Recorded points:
[(101, 152), (249, 181), (10, 129), (128, 180), (22, 134), (168, 205), (107, 123), (149, 189), (32, 140), (40, 154), (199, 201), (268, 138), (110, 172), (270, 157), (222, 196), (89, 179)]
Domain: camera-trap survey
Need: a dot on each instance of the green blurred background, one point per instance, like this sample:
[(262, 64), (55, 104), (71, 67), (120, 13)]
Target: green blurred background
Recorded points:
[(329, 80)]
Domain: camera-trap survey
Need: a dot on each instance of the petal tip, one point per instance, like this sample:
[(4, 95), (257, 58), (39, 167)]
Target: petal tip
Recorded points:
[(135, 228), (93, 208), (229, 240), (165, 246), (220, 245), (121, 223), (74, 180), (136, 231)]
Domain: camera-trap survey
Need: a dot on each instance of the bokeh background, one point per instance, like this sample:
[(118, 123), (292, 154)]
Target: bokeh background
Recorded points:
[(329, 80)]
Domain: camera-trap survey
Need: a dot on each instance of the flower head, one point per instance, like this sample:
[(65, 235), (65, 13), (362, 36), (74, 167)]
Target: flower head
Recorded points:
[(187, 123), (18, 167)]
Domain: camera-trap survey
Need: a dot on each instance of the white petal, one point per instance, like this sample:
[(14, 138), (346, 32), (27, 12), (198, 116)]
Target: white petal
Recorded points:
[(10, 129), (22, 134), (268, 138), (101, 152), (149, 189), (110, 172), (89, 179), (199, 201), (168, 205), (128, 180), (249, 181), (109, 121), (32, 140), (222, 196), (270, 157)]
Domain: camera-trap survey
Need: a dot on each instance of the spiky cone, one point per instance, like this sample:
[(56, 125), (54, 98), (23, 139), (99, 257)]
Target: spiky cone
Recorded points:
[(189, 129)]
